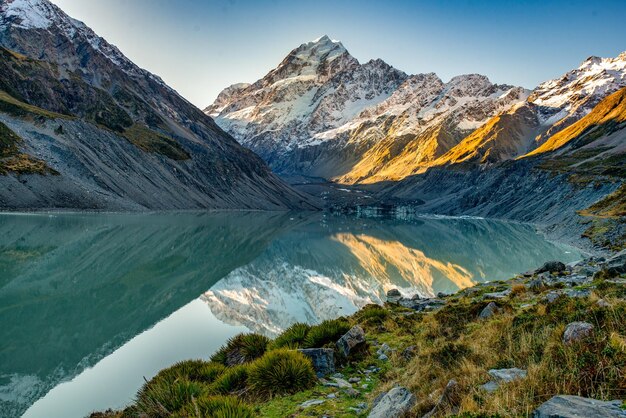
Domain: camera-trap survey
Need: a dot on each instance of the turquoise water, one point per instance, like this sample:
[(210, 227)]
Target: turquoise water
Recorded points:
[(90, 304)]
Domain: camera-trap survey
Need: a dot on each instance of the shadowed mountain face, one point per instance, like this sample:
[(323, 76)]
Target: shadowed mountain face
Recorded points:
[(73, 288), (96, 131)]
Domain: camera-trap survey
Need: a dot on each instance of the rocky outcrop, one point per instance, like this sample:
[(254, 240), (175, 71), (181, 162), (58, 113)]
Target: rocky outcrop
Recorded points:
[(567, 406), (488, 311), (350, 340), (577, 331), (393, 404), (448, 402), (323, 360)]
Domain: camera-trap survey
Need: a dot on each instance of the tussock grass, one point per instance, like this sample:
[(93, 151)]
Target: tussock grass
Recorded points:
[(327, 333), (161, 398), (233, 381), (216, 407), (292, 337), (281, 372), (242, 348)]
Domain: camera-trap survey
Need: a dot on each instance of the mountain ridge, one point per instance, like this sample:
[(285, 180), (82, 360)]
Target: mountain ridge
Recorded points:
[(130, 141)]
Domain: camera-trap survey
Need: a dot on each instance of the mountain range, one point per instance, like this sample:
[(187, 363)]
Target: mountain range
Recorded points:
[(97, 132), (321, 113)]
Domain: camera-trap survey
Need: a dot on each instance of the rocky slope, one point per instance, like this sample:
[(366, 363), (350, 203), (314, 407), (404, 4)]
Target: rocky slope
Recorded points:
[(322, 113), (98, 132)]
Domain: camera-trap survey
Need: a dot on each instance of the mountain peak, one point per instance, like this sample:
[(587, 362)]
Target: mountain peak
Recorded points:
[(28, 14), (322, 48), (324, 39)]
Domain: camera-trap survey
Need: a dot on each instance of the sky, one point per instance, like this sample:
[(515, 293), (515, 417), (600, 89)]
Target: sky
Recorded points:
[(200, 47)]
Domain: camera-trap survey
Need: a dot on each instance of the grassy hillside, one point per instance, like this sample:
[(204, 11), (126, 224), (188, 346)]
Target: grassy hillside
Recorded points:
[(422, 351)]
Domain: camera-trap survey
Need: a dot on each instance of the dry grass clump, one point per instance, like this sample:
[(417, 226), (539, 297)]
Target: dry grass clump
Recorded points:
[(452, 344)]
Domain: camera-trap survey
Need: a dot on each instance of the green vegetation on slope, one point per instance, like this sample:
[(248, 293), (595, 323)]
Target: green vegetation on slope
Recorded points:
[(151, 141)]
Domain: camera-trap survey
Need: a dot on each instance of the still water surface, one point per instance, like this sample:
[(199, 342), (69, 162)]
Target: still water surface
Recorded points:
[(90, 304)]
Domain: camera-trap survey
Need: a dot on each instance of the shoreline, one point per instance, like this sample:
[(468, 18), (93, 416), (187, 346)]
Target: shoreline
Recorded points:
[(485, 349)]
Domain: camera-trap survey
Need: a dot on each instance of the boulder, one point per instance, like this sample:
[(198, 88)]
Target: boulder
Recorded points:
[(551, 267), (566, 406), (393, 296), (552, 296), (507, 375), (409, 352), (351, 339), (502, 376), (497, 295), (536, 284), (618, 261), (395, 403), (577, 331), (323, 360), (490, 310), (311, 402), (449, 401)]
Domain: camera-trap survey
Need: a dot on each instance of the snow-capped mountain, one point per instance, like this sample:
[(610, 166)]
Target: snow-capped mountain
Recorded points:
[(552, 106), (321, 112), (114, 135)]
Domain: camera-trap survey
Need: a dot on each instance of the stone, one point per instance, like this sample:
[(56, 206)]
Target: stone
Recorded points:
[(393, 404), (350, 340), (409, 352), (311, 402), (507, 375), (341, 383), (331, 396), (352, 393), (551, 267), (568, 406), (490, 386), (497, 295), (383, 357), (535, 284), (618, 262), (383, 349), (323, 360), (354, 380), (577, 331), (393, 296), (449, 401), (578, 293), (490, 310), (552, 296), (603, 303)]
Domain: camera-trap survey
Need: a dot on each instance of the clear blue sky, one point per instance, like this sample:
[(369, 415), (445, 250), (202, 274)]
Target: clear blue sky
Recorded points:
[(201, 46)]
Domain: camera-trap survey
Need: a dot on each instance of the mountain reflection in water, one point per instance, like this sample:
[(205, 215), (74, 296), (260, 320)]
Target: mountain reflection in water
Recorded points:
[(79, 291)]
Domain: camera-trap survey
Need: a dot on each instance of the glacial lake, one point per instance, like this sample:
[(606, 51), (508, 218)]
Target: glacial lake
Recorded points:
[(90, 304)]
